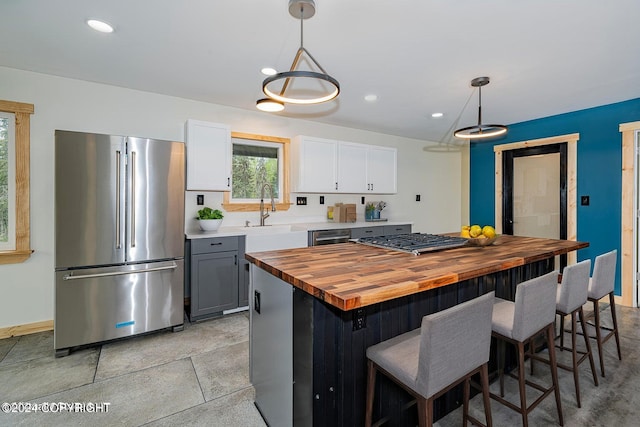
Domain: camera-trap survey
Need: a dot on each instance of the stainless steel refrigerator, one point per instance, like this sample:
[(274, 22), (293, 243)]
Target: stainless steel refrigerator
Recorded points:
[(119, 237)]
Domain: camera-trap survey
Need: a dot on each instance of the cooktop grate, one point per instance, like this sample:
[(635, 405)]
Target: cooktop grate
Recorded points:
[(415, 243)]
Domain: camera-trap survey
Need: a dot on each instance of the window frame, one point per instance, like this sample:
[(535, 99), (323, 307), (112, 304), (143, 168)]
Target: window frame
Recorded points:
[(22, 113), (10, 245), (283, 202)]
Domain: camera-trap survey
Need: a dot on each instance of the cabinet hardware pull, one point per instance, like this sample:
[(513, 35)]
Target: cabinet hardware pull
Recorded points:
[(215, 243), (336, 185)]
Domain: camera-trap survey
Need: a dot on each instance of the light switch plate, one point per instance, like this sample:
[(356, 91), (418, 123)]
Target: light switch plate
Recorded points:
[(301, 201)]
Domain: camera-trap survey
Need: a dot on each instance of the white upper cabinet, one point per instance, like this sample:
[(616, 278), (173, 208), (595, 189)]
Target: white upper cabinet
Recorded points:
[(352, 167), (313, 165), (208, 156), (330, 166), (382, 170)]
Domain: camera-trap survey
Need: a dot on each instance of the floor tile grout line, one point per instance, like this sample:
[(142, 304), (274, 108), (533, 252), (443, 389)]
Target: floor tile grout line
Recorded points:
[(204, 399)]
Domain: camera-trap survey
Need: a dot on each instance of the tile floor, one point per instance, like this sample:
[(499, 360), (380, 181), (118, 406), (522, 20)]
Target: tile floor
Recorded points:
[(199, 377)]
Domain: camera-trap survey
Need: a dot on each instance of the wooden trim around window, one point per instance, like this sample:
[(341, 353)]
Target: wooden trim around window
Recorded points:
[(254, 207), (22, 114)]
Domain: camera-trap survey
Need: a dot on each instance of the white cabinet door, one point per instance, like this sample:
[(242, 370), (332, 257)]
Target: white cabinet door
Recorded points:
[(382, 170), (313, 165), (208, 156), (352, 167)]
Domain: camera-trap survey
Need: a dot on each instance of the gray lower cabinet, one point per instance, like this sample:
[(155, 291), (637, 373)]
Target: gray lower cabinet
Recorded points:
[(217, 276), (358, 232), (380, 230), (397, 229)]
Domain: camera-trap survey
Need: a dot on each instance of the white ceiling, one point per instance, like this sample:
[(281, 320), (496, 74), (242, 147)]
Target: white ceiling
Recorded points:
[(544, 57)]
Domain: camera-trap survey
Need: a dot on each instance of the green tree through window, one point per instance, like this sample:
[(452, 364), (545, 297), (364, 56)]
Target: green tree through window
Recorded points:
[(253, 165), (4, 179)]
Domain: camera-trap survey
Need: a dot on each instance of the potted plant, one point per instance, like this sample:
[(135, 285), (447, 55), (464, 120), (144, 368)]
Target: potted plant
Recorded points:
[(369, 210), (209, 219)]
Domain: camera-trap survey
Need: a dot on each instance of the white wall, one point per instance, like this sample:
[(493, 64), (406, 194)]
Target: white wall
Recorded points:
[(27, 289)]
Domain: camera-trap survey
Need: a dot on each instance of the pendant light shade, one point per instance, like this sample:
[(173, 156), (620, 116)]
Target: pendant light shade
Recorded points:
[(312, 87), (480, 131), (269, 105)]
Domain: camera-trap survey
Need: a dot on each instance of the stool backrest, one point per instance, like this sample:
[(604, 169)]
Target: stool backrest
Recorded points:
[(535, 305), (604, 275), (453, 342), (574, 286)]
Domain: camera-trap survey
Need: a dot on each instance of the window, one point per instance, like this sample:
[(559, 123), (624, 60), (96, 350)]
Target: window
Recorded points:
[(258, 160), (7, 182), (14, 181)]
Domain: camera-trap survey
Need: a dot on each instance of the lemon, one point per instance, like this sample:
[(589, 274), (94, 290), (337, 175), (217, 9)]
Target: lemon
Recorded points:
[(465, 234), (475, 230), (466, 227), (488, 232)]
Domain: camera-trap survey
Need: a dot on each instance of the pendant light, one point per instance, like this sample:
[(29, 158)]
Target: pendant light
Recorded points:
[(302, 9), (480, 131)]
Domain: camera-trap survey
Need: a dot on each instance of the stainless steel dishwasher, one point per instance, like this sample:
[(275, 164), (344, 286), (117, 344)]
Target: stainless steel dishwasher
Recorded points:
[(329, 237)]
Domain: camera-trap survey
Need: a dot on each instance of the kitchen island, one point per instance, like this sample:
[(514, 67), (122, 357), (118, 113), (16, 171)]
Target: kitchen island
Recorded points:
[(308, 362)]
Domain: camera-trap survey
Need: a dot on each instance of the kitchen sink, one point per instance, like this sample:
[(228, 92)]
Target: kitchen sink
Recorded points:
[(273, 237)]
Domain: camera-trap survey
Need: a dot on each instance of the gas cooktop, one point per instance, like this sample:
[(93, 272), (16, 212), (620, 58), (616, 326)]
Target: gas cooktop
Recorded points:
[(415, 243)]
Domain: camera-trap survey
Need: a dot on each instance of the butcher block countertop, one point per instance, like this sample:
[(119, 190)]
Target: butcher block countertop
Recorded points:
[(351, 275)]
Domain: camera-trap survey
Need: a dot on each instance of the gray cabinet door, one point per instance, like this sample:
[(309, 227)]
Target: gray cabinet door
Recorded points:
[(397, 229), (214, 283), (358, 232)]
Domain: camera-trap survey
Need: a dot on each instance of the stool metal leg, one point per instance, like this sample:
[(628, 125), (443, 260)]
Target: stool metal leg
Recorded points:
[(574, 357), (521, 385), (612, 306), (596, 312), (587, 343), (371, 388), (554, 370)]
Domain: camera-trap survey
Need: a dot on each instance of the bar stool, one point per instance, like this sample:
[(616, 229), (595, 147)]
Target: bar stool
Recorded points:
[(532, 313), (571, 296), (449, 348), (601, 284)]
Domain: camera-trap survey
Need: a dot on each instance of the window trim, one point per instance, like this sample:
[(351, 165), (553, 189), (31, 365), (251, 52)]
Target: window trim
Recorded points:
[(284, 203), (22, 113)]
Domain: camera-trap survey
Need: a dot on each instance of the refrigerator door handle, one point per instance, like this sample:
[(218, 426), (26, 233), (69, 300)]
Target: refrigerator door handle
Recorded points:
[(133, 199), (119, 273), (118, 207)]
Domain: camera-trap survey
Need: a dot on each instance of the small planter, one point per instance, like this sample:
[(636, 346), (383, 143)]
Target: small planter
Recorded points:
[(209, 224)]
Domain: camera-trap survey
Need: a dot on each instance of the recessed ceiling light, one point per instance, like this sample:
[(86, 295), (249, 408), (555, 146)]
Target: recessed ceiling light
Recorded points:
[(371, 98), (101, 26), (268, 71), (437, 115)]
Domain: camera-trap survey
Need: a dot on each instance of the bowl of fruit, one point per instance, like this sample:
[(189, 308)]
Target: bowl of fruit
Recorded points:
[(479, 236)]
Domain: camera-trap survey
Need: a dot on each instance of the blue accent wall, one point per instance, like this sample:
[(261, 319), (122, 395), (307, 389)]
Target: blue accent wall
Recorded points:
[(599, 171)]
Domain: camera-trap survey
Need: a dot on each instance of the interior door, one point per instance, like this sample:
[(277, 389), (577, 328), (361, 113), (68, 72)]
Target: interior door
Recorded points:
[(535, 192)]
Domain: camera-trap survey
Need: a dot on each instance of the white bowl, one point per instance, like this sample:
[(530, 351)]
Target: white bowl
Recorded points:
[(209, 224)]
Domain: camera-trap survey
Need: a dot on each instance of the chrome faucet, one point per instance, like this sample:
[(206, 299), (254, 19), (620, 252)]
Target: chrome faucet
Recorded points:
[(264, 214)]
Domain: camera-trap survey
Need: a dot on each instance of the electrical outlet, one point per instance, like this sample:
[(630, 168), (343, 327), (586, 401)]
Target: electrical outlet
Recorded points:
[(301, 201), (362, 200), (584, 200), (200, 199), (322, 200), (359, 319)]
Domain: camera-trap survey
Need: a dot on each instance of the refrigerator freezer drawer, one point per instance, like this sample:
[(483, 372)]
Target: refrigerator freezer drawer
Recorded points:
[(100, 304)]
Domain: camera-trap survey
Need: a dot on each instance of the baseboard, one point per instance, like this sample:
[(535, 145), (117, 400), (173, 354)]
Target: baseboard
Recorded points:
[(30, 328)]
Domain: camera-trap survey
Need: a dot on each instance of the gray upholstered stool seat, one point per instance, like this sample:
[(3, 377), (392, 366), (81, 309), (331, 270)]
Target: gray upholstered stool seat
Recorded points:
[(449, 348), (532, 313), (602, 284)]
